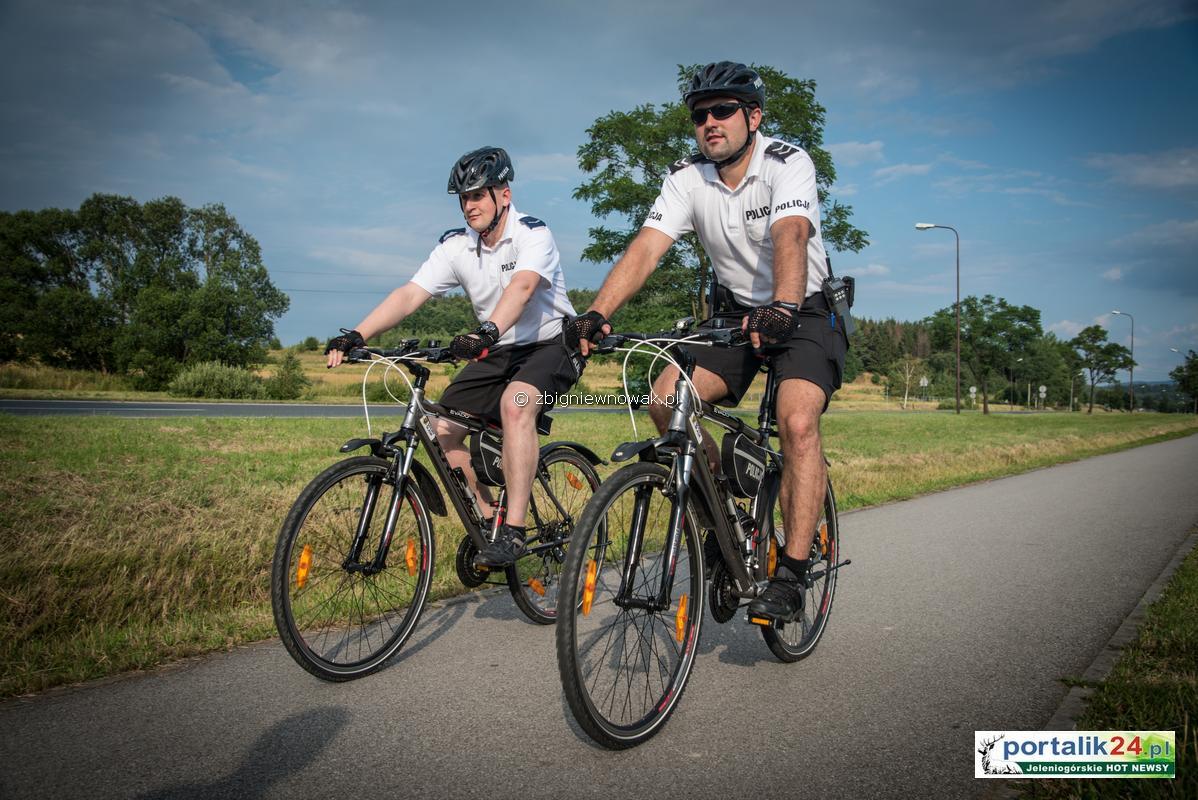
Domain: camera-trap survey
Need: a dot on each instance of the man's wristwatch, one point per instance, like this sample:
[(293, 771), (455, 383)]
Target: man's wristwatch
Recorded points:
[(489, 328), (791, 307)]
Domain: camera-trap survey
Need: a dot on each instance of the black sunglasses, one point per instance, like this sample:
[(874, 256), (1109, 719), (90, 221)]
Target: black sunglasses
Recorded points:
[(720, 111)]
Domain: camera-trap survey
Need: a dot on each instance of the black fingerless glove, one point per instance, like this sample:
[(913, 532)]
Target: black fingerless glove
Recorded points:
[(347, 341), (773, 322), (472, 345), (587, 326)]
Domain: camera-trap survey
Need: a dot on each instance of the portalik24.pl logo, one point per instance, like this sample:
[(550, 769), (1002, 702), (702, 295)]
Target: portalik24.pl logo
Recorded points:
[(1075, 754)]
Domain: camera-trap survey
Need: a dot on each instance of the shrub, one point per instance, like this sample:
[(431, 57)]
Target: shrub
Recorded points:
[(288, 381), (213, 379)]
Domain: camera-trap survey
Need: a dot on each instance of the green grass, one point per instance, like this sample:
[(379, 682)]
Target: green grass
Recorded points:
[(128, 543), (1153, 687)]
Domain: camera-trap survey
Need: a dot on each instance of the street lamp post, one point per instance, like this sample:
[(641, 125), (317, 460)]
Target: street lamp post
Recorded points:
[(1132, 369), (923, 226)]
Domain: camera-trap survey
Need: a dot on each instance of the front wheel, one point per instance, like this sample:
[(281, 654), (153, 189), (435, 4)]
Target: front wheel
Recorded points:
[(340, 610), (624, 662), (559, 495), (796, 640)]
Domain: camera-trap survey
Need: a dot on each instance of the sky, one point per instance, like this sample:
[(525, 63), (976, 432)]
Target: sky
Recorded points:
[(1060, 139)]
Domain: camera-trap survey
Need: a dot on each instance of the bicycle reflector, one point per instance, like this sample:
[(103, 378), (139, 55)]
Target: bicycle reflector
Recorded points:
[(305, 565), (823, 539), (536, 586), (573, 480), (771, 562), (588, 588), (410, 556), (680, 619)]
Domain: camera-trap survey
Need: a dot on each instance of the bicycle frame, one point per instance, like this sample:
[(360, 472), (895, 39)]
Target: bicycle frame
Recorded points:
[(691, 473)]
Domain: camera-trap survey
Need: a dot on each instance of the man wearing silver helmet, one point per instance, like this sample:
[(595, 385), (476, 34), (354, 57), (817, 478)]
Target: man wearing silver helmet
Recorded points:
[(753, 203), (508, 265)]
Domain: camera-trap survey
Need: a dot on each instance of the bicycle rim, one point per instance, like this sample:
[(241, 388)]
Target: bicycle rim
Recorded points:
[(535, 580), (624, 669), (340, 621), (796, 640)]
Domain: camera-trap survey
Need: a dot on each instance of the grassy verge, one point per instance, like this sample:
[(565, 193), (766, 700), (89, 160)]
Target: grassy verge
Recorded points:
[(127, 543), (1153, 687)]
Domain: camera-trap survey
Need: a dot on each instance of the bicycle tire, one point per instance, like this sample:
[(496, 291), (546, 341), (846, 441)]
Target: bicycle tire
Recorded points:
[(614, 695), (339, 623), (535, 579), (796, 640)]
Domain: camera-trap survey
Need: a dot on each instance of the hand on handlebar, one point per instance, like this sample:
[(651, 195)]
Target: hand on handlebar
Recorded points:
[(338, 346), (583, 331)]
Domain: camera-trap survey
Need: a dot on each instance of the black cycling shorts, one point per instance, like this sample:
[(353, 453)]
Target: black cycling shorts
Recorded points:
[(478, 388), (815, 353)]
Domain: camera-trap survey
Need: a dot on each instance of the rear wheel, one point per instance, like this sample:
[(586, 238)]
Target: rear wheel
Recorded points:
[(340, 615), (558, 498), (623, 664), (796, 640)]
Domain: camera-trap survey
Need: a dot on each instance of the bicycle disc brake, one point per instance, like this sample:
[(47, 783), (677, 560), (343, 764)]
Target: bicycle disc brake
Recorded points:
[(470, 575), (723, 602)]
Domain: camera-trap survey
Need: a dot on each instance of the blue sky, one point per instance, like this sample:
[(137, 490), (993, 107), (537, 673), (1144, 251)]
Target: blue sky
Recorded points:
[(1059, 138)]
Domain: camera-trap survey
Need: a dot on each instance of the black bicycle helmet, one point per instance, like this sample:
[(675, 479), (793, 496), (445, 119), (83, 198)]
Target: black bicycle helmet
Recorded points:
[(481, 168), (726, 79)]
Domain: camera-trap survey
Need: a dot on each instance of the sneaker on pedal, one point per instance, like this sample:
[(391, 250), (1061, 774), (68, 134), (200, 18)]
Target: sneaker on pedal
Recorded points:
[(504, 551), (782, 600)]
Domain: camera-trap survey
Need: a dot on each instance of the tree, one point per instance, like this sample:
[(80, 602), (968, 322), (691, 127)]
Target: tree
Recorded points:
[(906, 372), (137, 288), (1187, 378), (1102, 359), (993, 334), (628, 155)]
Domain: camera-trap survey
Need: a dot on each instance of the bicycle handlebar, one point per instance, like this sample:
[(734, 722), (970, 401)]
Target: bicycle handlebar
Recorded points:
[(718, 337), (410, 349)]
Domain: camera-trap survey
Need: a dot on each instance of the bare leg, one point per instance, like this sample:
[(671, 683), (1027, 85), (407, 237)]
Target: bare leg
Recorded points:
[(520, 446), (453, 441), (804, 475), (711, 387)]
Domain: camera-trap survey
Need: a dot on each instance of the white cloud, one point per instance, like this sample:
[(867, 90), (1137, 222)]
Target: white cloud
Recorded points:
[(872, 269), (1066, 328), (845, 190), (1171, 234), (1169, 169), (853, 154), (887, 174), (1113, 274)]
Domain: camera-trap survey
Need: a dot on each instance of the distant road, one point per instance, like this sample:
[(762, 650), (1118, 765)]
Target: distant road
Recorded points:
[(143, 408)]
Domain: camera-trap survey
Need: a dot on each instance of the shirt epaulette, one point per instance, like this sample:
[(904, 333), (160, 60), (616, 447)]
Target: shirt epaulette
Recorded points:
[(781, 150), (531, 222), (452, 232), (683, 163)]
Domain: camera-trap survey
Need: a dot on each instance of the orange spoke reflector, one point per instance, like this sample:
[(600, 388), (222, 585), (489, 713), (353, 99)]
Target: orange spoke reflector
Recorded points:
[(680, 619), (823, 539), (588, 588), (771, 562), (410, 556), (305, 565), (536, 586), (573, 480)]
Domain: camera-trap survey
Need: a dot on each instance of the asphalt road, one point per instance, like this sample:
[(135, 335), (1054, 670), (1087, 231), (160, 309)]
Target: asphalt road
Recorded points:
[(962, 611)]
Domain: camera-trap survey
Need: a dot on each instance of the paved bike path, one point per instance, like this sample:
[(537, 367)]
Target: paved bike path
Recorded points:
[(961, 611)]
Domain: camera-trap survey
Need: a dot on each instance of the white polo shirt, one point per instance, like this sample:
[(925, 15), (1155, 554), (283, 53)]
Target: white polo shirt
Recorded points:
[(733, 225), (526, 244)]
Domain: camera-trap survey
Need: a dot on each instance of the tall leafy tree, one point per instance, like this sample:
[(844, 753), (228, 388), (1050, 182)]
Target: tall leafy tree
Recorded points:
[(993, 334), (628, 155), (1100, 358), (1187, 378)]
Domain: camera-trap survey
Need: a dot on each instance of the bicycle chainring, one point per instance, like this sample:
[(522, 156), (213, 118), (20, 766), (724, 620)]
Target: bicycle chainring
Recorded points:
[(470, 575), (721, 599)]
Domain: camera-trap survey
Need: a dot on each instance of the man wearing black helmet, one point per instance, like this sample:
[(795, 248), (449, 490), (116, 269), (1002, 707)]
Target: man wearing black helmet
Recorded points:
[(753, 203), (508, 265)]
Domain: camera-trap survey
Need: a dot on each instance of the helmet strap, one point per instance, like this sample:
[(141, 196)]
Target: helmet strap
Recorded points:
[(494, 222)]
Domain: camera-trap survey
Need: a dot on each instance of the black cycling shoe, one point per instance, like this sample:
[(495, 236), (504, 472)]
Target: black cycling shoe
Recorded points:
[(782, 600), (504, 551)]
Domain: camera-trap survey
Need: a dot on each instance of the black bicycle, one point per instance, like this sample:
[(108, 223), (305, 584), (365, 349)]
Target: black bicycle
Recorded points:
[(636, 572), (355, 556)]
